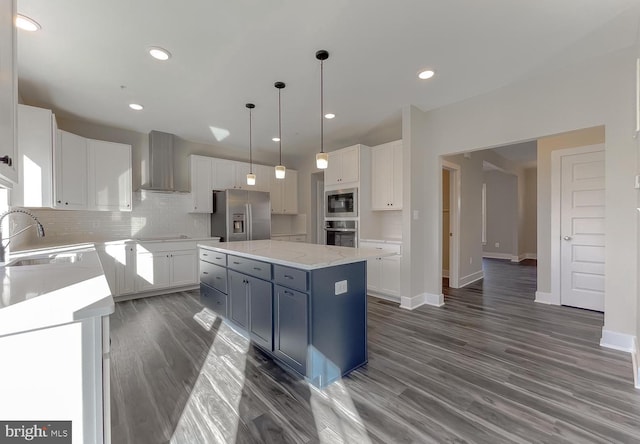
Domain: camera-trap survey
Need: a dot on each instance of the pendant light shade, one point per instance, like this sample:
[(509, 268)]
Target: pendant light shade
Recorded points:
[(322, 158), (251, 178), (281, 171)]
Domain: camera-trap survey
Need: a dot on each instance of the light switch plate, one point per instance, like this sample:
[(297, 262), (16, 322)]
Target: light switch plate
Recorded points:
[(341, 287)]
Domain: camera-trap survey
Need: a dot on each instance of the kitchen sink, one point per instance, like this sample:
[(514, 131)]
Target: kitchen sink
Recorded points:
[(57, 259)]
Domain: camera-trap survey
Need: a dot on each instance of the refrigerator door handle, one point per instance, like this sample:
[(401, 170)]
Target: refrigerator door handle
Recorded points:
[(249, 222)]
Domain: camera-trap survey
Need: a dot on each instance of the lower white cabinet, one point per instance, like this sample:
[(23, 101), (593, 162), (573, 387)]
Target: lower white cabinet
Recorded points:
[(139, 267), (383, 273), (289, 237)]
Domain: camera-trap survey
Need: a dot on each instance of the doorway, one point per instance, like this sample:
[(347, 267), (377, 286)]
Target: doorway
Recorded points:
[(450, 222)]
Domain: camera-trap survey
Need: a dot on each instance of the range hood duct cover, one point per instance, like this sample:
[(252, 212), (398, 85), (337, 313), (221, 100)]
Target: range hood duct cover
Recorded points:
[(161, 176)]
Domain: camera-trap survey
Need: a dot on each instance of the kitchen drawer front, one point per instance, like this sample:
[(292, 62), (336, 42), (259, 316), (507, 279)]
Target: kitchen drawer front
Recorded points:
[(214, 257), (290, 277), (214, 276), (387, 248), (251, 267), (213, 299)]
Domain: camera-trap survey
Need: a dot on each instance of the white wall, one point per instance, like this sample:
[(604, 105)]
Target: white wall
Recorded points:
[(596, 92), (502, 213)]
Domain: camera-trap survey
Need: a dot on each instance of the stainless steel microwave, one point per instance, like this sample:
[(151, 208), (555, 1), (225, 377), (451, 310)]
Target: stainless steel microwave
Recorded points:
[(341, 203)]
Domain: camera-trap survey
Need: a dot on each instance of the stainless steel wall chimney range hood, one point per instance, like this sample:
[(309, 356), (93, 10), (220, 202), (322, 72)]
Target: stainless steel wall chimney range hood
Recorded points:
[(160, 174)]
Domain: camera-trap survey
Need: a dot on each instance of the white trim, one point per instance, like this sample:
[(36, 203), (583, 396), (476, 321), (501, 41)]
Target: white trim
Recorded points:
[(493, 255), (618, 341), (524, 256), (158, 292), (445, 273), (545, 298), (636, 369), (556, 210), (471, 278), (454, 220), (411, 303)]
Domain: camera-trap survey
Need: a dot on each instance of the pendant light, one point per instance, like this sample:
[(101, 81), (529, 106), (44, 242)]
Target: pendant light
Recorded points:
[(251, 178), (280, 169), (322, 158)]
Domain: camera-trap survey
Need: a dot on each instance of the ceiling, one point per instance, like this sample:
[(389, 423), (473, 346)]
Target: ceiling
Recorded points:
[(89, 61)]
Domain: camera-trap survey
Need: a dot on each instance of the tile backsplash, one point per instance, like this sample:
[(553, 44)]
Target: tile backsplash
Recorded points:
[(154, 214)]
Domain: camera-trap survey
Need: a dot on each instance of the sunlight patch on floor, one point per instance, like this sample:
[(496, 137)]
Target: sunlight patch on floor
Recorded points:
[(211, 414), (337, 419)]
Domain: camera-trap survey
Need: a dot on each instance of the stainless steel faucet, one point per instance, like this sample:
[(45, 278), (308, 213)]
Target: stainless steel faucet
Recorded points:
[(38, 225)]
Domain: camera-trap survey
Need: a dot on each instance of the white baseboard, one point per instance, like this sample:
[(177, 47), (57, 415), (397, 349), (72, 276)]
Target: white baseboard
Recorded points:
[(144, 294), (411, 303), (494, 255), (445, 273), (636, 369), (618, 341), (470, 278), (386, 297), (545, 298)]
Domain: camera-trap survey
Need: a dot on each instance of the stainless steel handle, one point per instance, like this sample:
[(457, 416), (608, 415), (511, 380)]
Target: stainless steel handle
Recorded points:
[(567, 238)]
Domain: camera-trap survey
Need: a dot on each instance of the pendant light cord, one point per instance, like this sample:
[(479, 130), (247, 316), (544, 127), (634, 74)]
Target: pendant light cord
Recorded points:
[(250, 146), (322, 106), (280, 124)]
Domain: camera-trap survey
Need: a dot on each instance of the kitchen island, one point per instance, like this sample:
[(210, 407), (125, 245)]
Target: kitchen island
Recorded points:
[(303, 304)]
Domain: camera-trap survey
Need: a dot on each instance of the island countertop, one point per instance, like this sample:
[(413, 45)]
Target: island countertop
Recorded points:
[(296, 254)]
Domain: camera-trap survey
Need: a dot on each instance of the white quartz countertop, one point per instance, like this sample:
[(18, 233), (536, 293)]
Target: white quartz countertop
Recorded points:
[(70, 288), (296, 254)]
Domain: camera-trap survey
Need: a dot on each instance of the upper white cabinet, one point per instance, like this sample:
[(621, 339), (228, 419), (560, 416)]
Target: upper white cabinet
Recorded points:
[(37, 136), (229, 174), (8, 95), (91, 174), (109, 182), (71, 172), (264, 175), (344, 166), (284, 193), (386, 176), (201, 184)]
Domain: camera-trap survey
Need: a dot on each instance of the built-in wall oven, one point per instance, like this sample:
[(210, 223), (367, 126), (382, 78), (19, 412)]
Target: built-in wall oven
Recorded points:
[(343, 233), (341, 203)]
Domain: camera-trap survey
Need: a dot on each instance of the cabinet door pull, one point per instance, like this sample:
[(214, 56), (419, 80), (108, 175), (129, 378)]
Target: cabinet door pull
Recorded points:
[(7, 160), (289, 293), (288, 276), (218, 277), (205, 254), (205, 272), (236, 263), (257, 268)]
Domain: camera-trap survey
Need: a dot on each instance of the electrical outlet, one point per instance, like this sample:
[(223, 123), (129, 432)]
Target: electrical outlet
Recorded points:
[(497, 244), (341, 287)]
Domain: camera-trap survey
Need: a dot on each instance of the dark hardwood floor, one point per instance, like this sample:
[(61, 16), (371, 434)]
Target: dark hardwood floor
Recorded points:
[(491, 366)]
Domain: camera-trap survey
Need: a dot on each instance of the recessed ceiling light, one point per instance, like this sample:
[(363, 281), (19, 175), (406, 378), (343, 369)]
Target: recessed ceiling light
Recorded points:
[(136, 106), (159, 53), (276, 139), (25, 23), (329, 116), (427, 74)]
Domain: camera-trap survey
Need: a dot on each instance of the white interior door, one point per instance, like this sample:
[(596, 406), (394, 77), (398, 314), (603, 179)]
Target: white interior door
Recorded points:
[(582, 230)]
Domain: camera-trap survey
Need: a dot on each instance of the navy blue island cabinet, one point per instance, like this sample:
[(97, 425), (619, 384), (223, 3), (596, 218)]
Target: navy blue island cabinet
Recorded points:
[(309, 315)]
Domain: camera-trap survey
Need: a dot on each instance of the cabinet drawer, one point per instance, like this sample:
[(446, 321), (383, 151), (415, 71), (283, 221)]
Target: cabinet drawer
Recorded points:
[(250, 267), (214, 276), (290, 277), (213, 299), (214, 257)]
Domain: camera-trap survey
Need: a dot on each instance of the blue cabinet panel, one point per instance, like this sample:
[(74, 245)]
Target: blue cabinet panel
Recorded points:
[(291, 327)]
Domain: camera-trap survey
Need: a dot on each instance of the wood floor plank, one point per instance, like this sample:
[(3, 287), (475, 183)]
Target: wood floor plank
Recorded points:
[(490, 366)]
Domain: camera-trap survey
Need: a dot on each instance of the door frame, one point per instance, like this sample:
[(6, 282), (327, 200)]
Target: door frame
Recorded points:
[(454, 221), (556, 212)]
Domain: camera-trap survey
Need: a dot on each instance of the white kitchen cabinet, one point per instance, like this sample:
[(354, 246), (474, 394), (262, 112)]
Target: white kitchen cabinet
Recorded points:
[(70, 172), (109, 180), (386, 176), (344, 166), (166, 265), (8, 95), (201, 184), (184, 268), (284, 193), (229, 174), (37, 136), (383, 273), (263, 174)]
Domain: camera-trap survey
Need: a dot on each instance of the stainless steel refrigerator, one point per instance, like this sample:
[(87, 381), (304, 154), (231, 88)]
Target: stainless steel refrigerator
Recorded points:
[(240, 215)]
